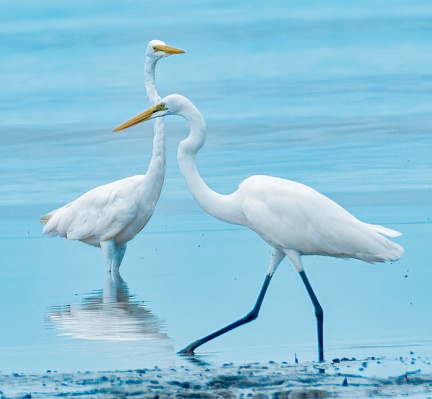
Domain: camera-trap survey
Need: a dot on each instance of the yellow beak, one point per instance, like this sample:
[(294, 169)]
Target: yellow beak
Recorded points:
[(142, 117), (168, 49)]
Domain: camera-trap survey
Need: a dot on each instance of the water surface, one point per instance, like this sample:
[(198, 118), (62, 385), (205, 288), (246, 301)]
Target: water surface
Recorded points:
[(332, 95)]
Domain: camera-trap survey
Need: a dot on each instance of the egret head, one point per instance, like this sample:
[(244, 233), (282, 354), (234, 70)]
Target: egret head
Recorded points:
[(157, 49), (173, 104)]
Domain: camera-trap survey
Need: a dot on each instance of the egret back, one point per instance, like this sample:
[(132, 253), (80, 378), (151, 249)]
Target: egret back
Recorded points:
[(292, 216)]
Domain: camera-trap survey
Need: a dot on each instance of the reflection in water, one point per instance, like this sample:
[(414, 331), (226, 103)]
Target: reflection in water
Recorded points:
[(110, 314)]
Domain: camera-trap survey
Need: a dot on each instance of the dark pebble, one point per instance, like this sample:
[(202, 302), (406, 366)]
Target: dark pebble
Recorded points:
[(345, 359), (345, 382), (185, 385), (336, 360)]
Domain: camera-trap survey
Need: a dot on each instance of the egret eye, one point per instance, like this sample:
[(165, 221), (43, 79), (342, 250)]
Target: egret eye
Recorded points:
[(158, 107)]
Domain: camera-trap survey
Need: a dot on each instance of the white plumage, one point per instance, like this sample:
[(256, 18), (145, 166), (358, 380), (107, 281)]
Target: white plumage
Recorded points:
[(112, 211), (109, 216), (293, 218)]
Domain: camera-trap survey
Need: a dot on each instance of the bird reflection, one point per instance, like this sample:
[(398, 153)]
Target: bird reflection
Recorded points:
[(110, 314)]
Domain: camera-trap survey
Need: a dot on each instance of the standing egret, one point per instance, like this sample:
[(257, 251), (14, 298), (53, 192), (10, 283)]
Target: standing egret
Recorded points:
[(292, 218), (109, 216)]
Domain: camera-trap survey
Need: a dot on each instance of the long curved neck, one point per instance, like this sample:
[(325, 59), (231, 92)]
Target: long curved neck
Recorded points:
[(218, 205), (149, 79), (156, 167)]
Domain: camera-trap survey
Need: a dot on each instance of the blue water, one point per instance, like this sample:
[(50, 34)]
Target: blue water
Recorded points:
[(333, 95)]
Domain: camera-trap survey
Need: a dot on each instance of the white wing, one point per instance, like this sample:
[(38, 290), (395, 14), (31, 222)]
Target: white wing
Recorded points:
[(290, 215), (101, 213)]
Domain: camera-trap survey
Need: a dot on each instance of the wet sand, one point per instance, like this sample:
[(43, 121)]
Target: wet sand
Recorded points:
[(340, 378)]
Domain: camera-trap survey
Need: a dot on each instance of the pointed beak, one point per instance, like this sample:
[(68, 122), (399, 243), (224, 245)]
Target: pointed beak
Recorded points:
[(142, 117), (168, 49)]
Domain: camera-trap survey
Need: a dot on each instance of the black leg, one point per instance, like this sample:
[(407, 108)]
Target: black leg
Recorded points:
[(319, 314), (252, 315)]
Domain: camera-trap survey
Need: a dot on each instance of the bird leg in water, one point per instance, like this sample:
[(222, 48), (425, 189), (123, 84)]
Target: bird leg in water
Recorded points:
[(113, 254), (319, 314), (252, 315)]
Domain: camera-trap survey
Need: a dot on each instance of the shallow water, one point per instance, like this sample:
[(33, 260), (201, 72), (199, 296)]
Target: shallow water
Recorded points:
[(333, 96)]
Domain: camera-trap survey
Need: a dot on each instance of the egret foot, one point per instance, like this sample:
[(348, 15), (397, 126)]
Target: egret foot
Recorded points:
[(189, 351)]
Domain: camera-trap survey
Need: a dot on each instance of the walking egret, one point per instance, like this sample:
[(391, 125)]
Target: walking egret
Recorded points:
[(109, 216), (294, 219)]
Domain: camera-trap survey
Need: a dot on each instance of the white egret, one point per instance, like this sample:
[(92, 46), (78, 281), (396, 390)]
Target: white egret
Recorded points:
[(110, 215), (294, 219)]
